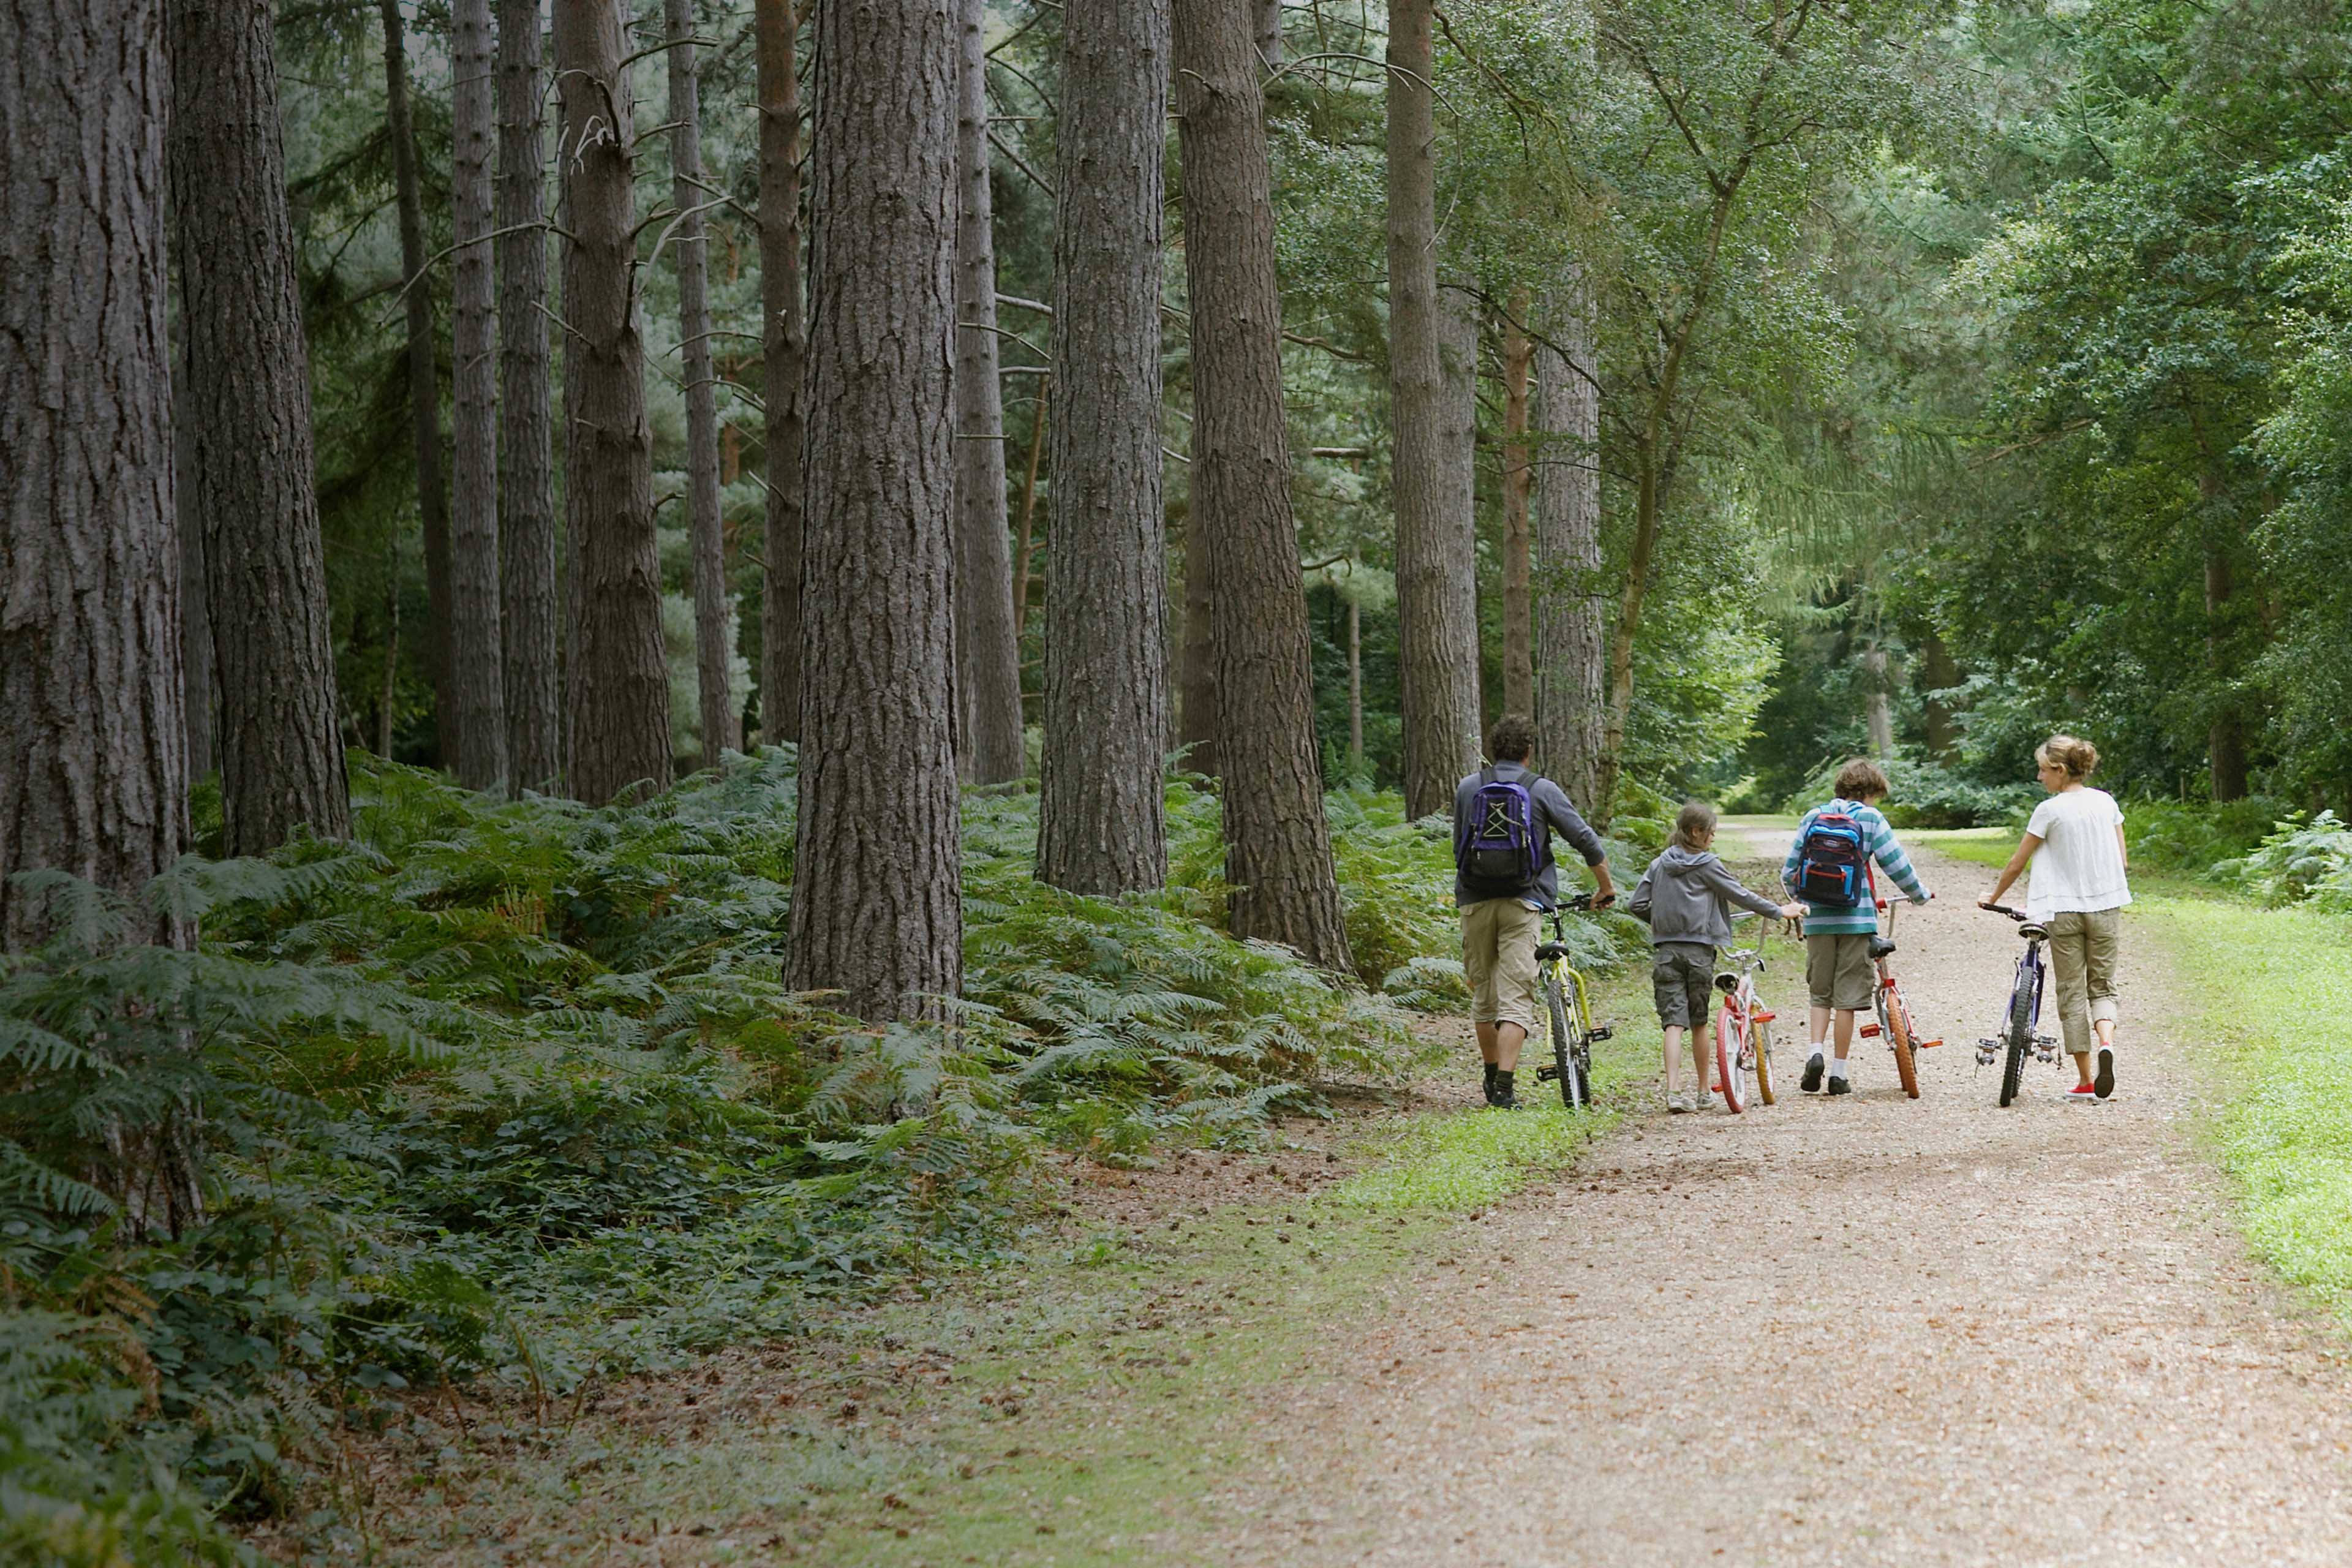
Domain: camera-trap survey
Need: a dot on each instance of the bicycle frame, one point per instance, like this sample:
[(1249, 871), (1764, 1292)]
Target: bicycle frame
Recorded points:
[(2030, 980), (1743, 1035), (1572, 1064)]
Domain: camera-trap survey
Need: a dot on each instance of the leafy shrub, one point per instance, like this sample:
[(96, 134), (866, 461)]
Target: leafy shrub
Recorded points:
[(2298, 863), (2194, 838), (514, 1090), (1925, 795)]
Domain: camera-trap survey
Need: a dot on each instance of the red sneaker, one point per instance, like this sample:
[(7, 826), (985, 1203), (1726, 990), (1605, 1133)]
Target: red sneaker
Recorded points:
[(2083, 1094)]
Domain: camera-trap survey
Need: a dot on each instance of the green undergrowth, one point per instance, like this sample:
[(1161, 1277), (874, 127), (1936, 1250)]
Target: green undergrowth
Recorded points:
[(2269, 993), (1068, 1409), (513, 1092)]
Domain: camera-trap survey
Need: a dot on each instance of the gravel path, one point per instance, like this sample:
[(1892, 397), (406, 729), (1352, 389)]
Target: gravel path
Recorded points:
[(1860, 1330)]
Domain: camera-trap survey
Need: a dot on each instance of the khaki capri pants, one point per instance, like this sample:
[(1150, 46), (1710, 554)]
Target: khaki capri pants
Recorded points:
[(2083, 961), (1499, 960)]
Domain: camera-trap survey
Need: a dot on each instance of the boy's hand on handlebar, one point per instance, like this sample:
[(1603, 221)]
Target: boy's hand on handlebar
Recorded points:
[(1792, 912), (1603, 899)]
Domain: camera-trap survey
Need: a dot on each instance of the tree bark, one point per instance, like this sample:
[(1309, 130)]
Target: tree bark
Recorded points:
[(1569, 609), (714, 615), (195, 622), (1457, 432), (988, 650), (1200, 679), (1268, 21), (1942, 673), (2226, 738), (877, 905), (1102, 823), (620, 690), (249, 400), (1437, 559), (476, 718), (424, 369), (527, 570), (777, 23), (1022, 537), (1878, 703), (93, 778), (1277, 841), (1519, 605)]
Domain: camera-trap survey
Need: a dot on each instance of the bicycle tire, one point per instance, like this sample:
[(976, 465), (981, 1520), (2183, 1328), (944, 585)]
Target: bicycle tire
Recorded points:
[(1726, 1058), (2021, 1030), (1763, 1045), (1563, 1050), (1893, 1023)]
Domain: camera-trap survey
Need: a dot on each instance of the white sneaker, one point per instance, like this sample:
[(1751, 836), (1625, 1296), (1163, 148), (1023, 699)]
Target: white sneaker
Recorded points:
[(1705, 1100), (1678, 1103)]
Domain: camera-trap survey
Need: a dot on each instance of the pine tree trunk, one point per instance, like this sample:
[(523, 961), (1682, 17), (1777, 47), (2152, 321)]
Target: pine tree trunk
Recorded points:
[(1518, 607), (1024, 539), (424, 369), (987, 651), (2226, 739), (1457, 430), (1277, 842), (195, 622), (777, 23), (714, 614), (1437, 558), (1878, 703), (1942, 673), (1102, 825), (620, 690), (877, 905), (1200, 694), (93, 776), (528, 612), (1570, 608), (476, 720), (249, 391), (1269, 32)]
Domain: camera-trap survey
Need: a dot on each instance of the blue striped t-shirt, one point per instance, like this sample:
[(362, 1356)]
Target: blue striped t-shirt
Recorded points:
[(1878, 839)]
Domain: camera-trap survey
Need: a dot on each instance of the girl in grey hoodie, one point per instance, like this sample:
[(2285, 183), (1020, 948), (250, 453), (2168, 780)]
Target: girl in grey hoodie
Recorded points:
[(1685, 896)]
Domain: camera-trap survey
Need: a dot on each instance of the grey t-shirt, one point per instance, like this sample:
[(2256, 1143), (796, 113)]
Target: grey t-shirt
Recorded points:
[(1554, 814)]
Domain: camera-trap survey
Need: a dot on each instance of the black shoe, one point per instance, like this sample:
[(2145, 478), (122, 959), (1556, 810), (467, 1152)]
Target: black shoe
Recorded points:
[(1812, 1082), (2105, 1084), (1491, 1070), (1841, 1086), (1501, 1096)]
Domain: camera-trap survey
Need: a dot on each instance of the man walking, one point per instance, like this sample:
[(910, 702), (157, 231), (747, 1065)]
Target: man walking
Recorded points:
[(1504, 878)]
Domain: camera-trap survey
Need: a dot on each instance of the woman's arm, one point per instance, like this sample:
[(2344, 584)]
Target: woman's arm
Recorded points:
[(2013, 870), (2123, 849)]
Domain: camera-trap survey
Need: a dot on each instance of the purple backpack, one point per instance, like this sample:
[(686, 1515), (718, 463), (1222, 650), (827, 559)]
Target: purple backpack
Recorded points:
[(1498, 852)]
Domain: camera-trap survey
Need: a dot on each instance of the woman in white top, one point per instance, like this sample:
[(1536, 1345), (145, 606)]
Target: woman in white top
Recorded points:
[(2076, 843)]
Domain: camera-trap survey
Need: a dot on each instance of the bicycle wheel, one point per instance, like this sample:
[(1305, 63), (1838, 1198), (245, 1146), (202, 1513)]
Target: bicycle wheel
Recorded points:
[(1563, 1050), (1896, 1026), (1728, 1038), (2019, 1034), (1762, 1046)]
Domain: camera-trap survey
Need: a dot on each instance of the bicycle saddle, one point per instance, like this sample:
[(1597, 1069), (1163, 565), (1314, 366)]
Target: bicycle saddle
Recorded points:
[(1880, 947), (1549, 951)]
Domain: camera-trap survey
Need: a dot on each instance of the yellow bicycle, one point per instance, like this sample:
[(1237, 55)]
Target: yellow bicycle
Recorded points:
[(1567, 1020)]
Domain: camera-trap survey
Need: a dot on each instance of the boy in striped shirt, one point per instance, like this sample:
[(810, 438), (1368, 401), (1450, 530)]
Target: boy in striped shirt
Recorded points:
[(1838, 971)]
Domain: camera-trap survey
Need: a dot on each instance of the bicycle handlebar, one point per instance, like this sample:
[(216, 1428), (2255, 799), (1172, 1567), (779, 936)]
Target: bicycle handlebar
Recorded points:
[(2017, 915)]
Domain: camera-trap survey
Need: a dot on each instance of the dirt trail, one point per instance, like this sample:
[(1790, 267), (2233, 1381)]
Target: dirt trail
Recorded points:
[(1854, 1331)]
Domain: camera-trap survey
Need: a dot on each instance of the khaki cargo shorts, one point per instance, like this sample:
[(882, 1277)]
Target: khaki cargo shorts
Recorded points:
[(1499, 960), (1838, 972)]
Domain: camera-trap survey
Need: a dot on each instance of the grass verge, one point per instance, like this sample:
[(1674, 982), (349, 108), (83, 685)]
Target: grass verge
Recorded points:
[(2270, 999)]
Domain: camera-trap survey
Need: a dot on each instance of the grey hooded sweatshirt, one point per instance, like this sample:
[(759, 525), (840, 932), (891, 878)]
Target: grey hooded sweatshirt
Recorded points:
[(1685, 896)]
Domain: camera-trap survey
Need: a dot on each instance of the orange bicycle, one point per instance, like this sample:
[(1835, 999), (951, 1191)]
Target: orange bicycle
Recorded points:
[(1893, 1023)]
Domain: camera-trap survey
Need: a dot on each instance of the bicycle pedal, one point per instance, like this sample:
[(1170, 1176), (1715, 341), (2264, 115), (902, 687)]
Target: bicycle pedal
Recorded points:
[(1766, 1018), (1924, 1045), (1868, 1031), (1545, 1075), (1603, 1032)]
